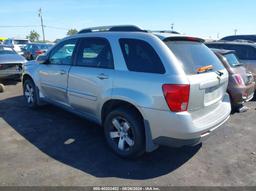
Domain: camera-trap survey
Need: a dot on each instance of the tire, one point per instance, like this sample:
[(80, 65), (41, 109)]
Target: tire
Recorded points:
[(30, 93), (124, 133), (1, 88)]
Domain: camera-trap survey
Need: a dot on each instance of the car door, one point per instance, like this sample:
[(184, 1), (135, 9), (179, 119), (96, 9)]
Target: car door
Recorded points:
[(90, 79), (53, 75)]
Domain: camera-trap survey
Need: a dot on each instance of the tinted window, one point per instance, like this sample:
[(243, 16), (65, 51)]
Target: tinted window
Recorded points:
[(43, 46), (6, 50), (213, 45), (251, 53), (20, 41), (95, 52), (241, 37), (243, 52), (140, 56), (194, 55), (240, 51), (62, 54), (232, 60)]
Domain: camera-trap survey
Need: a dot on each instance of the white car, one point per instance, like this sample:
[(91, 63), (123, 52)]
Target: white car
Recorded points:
[(16, 44)]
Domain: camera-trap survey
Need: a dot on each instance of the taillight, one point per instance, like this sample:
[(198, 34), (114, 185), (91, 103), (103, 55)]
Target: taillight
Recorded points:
[(238, 79), (177, 96), (1, 66), (38, 52)]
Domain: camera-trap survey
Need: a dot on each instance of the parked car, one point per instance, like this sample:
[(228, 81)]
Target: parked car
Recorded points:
[(145, 90), (251, 38), (32, 50), (246, 52), (241, 84), (2, 39), (11, 63), (16, 44)]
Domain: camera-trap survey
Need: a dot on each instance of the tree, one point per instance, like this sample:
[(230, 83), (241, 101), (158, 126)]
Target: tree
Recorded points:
[(71, 32), (33, 36)]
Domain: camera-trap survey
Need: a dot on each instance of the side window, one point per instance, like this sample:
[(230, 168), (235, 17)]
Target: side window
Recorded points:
[(241, 51), (62, 54), (213, 45), (251, 53), (95, 52), (140, 56), (29, 47)]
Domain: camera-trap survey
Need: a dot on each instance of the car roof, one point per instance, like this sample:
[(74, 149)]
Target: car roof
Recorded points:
[(105, 34), (222, 51), (233, 42), (39, 43)]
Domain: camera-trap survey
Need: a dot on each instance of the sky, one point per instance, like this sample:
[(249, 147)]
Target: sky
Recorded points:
[(202, 18)]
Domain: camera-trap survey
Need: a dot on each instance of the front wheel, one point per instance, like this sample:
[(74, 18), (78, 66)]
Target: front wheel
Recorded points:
[(30, 93), (124, 132)]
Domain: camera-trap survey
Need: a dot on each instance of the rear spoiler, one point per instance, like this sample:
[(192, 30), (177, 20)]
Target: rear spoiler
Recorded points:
[(183, 38)]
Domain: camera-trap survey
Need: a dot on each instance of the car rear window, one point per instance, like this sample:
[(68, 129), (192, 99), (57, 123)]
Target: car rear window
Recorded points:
[(141, 56), (6, 50), (194, 55), (20, 41), (44, 46), (232, 60)]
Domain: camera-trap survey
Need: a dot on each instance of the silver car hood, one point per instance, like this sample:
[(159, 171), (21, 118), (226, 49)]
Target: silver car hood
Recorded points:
[(11, 58)]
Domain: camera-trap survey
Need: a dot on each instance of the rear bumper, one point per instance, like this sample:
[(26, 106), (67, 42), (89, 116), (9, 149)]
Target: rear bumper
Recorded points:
[(185, 128), (172, 142), (242, 94), (10, 75)]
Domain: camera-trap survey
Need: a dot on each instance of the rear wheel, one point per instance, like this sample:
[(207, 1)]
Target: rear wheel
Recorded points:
[(124, 133), (30, 93)]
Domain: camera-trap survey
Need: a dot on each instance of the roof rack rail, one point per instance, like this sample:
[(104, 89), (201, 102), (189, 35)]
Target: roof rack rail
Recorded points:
[(117, 28)]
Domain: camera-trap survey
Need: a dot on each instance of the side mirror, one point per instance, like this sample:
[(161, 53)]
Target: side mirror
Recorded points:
[(42, 59)]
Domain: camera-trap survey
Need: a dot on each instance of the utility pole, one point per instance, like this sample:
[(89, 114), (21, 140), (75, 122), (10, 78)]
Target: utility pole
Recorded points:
[(42, 23), (235, 31), (172, 26)]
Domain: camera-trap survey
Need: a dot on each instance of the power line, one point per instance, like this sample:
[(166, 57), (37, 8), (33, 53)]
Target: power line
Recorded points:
[(29, 26), (18, 26), (59, 28)]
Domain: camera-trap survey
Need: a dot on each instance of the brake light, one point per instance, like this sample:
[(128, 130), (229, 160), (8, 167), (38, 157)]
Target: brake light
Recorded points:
[(177, 96), (38, 52), (238, 79)]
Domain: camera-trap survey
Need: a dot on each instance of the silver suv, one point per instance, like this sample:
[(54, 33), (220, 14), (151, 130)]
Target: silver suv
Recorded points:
[(145, 89)]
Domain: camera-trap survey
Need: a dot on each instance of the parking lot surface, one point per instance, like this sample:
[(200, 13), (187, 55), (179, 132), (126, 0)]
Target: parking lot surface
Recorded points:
[(52, 147)]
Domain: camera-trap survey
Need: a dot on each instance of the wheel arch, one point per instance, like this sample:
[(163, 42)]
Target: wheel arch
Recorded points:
[(112, 104)]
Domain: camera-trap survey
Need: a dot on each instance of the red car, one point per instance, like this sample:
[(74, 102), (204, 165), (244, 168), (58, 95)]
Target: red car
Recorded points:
[(241, 84)]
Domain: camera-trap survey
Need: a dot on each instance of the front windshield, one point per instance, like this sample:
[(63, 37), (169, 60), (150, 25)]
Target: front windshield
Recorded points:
[(232, 60), (6, 50)]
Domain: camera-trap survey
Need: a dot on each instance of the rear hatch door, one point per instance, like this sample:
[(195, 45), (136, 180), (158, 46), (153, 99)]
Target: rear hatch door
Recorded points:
[(207, 76)]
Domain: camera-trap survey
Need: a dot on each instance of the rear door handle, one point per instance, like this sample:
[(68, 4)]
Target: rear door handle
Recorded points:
[(102, 76)]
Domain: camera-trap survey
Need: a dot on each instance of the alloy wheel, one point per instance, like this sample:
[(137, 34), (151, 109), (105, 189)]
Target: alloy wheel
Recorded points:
[(122, 134)]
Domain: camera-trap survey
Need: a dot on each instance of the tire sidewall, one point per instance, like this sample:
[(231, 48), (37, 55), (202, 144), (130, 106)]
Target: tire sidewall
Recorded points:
[(137, 129), (32, 85)]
